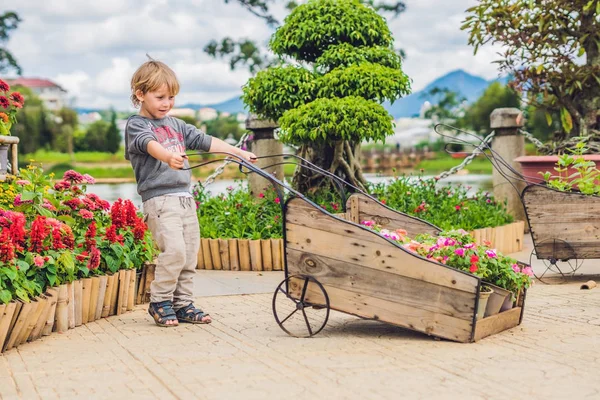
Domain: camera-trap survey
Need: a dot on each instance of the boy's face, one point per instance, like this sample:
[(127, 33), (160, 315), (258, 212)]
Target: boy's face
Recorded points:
[(156, 104)]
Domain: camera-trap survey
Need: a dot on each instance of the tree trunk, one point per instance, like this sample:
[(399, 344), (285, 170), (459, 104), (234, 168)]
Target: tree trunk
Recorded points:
[(341, 158)]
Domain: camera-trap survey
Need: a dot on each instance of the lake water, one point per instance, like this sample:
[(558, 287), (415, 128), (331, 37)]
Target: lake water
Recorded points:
[(111, 192)]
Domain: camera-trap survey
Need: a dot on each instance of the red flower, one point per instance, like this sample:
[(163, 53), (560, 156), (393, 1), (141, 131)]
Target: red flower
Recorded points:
[(261, 195), (73, 176), (473, 268), (139, 230), (277, 200), (4, 102), (85, 214), (39, 231), (4, 86), (17, 104), (18, 97), (474, 258), (62, 185), (90, 236), (73, 203), (68, 239), (130, 213), (111, 235), (117, 214), (7, 249), (457, 208), (94, 261)]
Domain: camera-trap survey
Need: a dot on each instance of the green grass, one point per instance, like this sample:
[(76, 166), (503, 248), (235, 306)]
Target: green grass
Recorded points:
[(51, 157), (96, 172), (443, 162)]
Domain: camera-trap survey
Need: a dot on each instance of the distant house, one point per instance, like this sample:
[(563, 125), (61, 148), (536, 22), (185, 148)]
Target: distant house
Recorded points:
[(182, 112), (207, 114), (53, 96), (89, 118)]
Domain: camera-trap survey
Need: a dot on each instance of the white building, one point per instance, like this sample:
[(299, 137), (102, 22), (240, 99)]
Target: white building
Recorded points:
[(207, 114), (53, 96)]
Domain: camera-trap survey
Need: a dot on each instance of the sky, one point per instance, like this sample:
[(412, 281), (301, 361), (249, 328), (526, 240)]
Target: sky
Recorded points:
[(92, 48)]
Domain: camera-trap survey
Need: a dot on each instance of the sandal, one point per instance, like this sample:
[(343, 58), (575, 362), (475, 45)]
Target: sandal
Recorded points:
[(163, 312), (192, 315)]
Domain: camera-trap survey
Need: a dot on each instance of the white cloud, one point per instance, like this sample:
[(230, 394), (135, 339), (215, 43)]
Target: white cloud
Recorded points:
[(92, 48)]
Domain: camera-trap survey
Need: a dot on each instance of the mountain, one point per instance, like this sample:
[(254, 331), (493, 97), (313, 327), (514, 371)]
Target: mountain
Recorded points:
[(459, 81)]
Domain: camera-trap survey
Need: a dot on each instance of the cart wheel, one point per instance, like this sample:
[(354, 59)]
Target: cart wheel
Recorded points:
[(568, 265), (301, 306)]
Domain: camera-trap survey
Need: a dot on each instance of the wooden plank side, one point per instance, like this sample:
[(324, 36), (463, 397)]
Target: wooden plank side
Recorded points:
[(383, 285), (369, 307), (378, 254), (369, 209), (497, 323), (563, 225)]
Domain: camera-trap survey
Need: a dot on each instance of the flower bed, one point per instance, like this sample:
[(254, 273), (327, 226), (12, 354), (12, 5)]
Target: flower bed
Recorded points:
[(65, 255)]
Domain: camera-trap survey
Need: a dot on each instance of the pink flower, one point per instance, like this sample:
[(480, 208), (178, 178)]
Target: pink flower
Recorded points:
[(62, 185), (261, 195), (38, 261), (457, 208), (368, 223), (86, 214), (229, 188), (73, 176), (469, 246), (460, 252), (88, 179), (23, 182), (516, 268), (277, 200), (491, 253), (527, 271)]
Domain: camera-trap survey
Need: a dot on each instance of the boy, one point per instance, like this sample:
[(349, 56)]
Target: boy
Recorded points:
[(155, 144)]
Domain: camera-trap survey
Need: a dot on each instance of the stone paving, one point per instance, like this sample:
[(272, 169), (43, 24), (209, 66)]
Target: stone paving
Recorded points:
[(245, 355)]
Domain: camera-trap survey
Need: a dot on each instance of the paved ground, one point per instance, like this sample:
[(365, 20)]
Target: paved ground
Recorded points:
[(244, 354)]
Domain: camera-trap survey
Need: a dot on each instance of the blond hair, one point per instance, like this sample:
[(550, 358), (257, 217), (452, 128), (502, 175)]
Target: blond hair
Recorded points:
[(151, 76)]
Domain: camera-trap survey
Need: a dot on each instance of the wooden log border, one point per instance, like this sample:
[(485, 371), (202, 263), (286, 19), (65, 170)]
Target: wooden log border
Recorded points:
[(241, 254), (73, 304)]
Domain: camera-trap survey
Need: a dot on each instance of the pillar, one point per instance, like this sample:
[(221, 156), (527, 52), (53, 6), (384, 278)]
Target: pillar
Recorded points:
[(508, 144), (264, 144)]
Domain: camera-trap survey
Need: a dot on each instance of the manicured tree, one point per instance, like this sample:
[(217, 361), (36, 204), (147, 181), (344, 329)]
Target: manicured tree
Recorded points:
[(552, 48), (327, 99)]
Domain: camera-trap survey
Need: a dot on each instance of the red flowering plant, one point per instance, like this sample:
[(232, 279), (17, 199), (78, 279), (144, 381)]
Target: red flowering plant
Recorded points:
[(126, 241), (10, 102), (457, 249), (58, 233)]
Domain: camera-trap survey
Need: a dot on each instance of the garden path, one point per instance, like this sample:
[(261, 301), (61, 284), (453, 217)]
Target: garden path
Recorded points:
[(244, 354)]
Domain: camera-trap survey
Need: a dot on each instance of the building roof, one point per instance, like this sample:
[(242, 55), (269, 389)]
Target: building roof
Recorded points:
[(34, 83)]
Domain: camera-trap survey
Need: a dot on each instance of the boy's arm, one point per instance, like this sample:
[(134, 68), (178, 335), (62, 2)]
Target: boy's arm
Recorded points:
[(195, 139), (217, 145), (141, 140)]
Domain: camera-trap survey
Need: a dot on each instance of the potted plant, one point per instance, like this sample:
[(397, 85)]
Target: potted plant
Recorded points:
[(9, 104)]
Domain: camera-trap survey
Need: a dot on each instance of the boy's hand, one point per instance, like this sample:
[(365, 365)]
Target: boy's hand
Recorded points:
[(176, 161), (246, 155)]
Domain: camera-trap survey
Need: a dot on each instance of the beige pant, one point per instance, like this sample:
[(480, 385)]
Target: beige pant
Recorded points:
[(174, 226)]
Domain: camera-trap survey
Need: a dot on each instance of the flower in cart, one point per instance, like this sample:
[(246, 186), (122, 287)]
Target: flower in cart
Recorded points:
[(38, 261), (456, 249)]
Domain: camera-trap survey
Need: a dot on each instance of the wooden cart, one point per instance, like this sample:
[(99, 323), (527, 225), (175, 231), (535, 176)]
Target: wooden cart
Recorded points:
[(334, 263), (565, 228)]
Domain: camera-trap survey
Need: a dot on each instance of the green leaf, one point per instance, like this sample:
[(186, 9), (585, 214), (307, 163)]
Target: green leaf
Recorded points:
[(548, 118), (26, 196), (42, 211), (566, 120)]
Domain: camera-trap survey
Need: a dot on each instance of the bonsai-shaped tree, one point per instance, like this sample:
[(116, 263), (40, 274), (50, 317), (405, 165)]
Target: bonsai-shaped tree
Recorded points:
[(552, 48), (341, 65)]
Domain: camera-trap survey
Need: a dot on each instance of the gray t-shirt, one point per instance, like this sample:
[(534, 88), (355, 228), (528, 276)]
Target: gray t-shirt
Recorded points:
[(154, 177)]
